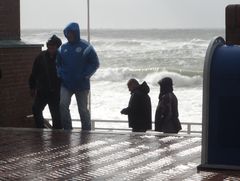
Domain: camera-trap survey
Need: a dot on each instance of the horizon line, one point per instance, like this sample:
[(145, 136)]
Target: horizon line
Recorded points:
[(85, 29)]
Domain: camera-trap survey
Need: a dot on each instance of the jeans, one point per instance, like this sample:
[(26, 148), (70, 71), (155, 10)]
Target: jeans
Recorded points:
[(82, 102)]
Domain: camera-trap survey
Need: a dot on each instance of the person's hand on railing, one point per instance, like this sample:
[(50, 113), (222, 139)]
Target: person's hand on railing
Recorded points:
[(124, 111)]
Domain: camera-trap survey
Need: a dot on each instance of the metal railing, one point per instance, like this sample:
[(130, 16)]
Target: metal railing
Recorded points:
[(187, 127)]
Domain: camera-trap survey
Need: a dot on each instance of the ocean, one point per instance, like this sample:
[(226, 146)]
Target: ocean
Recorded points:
[(147, 55)]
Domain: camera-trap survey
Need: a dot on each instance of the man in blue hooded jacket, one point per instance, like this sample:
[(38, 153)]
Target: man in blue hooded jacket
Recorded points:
[(77, 61)]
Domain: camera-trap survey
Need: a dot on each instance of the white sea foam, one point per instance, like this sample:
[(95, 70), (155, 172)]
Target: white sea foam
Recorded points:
[(178, 79)]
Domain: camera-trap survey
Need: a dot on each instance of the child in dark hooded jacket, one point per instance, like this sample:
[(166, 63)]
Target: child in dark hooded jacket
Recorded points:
[(166, 117)]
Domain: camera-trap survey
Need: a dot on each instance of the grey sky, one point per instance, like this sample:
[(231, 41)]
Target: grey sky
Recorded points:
[(125, 13)]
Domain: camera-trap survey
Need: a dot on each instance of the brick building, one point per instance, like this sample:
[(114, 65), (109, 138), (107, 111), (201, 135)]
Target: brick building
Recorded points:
[(16, 58)]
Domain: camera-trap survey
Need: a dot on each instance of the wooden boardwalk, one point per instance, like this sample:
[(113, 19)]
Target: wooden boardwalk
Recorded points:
[(30, 154)]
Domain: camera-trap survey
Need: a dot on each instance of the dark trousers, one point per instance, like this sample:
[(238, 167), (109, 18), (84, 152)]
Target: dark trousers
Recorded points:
[(40, 101)]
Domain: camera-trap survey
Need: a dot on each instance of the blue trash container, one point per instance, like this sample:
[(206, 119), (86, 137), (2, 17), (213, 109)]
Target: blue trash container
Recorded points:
[(221, 107)]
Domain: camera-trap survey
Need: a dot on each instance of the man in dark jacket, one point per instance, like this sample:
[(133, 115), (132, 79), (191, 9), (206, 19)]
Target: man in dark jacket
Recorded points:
[(45, 84), (139, 109)]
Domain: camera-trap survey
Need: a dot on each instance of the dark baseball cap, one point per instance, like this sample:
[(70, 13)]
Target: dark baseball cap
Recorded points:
[(54, 40)]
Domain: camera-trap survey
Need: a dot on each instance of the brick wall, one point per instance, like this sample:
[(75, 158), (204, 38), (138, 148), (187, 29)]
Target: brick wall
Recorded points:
[(15, 101), (9, 20), (16, 60)]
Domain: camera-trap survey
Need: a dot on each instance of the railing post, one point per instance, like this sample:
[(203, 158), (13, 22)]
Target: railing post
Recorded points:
[(188, 128), (93, 125)]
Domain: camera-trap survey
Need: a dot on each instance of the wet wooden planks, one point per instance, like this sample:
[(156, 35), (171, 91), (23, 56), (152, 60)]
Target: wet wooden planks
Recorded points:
[(28, 154)]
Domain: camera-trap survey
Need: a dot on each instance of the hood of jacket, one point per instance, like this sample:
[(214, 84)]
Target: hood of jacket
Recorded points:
[(144, 88), (72, 27)]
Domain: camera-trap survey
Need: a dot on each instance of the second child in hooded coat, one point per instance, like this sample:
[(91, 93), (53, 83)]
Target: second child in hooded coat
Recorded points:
[(166, 117), (139, 109)]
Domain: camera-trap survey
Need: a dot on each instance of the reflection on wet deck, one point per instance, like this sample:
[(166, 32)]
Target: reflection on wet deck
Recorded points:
[(27, 154)]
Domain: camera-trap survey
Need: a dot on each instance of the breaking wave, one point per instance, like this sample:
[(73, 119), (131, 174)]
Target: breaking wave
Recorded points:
[(181, 78)]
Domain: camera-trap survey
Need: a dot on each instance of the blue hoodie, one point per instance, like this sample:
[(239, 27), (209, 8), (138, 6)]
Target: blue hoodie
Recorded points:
[(77, 61)]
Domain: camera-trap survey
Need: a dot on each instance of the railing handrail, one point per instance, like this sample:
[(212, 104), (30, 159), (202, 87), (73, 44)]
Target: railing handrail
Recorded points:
[(188, 124), (125, 121)]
